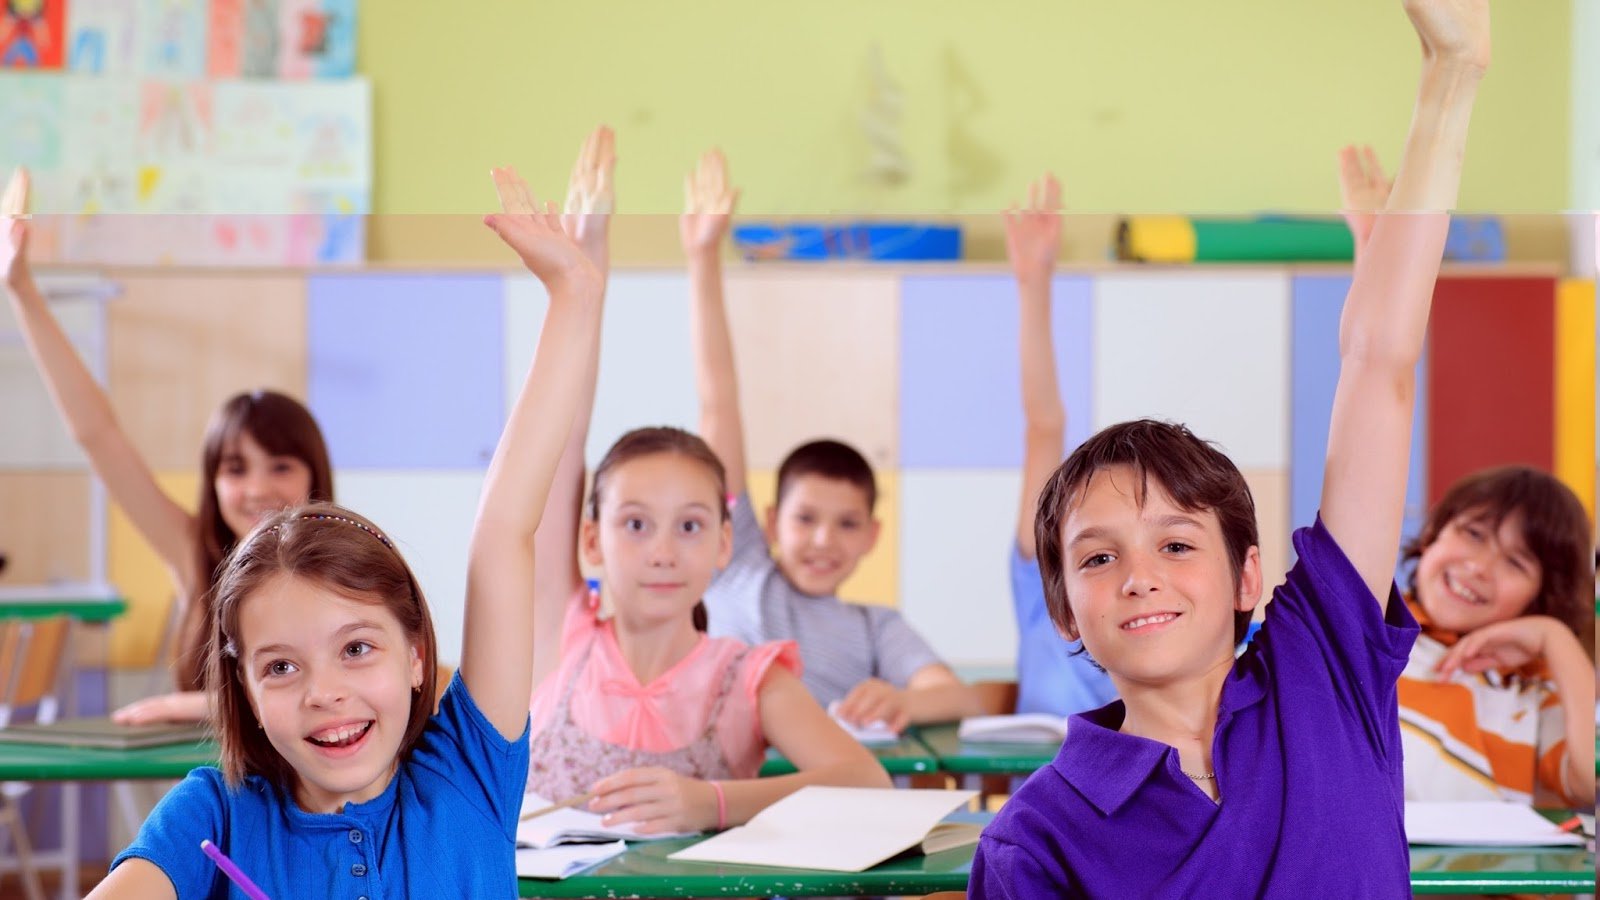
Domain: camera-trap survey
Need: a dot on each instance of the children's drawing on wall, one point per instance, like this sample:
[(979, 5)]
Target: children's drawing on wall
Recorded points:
[(317, 38), (103, 37), (887, 164), (174, 37), (30, 125), (31, 33), (975, 168), (331, 134), (174, 120)]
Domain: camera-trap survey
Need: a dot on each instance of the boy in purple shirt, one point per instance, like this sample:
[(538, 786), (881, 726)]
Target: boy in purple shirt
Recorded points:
[(1279, 774)]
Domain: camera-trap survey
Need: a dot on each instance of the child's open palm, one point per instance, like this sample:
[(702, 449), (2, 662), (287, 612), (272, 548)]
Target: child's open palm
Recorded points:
[(1033, 233), (590, 196), (14, 243), (708, 203), (1363, 191), (536, 234)]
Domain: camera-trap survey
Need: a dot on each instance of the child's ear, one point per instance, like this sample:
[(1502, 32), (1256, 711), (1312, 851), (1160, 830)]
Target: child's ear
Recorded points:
[(873, 531), (416, 668), (1249, 582), (725, 544), (589, 542)]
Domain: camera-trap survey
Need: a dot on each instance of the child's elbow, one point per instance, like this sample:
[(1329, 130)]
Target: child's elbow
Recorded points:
[(869, 774)]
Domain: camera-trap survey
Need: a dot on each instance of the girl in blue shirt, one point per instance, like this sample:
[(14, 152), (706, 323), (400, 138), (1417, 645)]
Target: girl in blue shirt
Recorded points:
[(335, 778)]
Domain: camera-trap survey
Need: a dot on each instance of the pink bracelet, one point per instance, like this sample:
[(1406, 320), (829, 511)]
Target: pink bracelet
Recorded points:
[(722, 805)]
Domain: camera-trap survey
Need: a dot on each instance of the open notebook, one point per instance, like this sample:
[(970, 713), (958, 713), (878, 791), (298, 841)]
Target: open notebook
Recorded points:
[(102, 732), (1023, 728), (839, 829), (872, 734), (1482, 824), (572, 826), (565, 860)]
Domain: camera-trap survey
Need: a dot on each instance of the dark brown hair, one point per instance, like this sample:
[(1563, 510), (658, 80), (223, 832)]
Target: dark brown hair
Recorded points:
[(283, 427), (333, 548), (828, 459), (1555, 527), (642, 442), (1196, 475)]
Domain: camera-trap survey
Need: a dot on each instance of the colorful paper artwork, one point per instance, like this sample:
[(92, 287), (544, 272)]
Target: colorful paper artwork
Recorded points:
[(32, 33)]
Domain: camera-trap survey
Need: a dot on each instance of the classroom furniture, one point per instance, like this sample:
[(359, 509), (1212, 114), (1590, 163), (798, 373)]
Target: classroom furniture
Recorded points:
[(970, 761), (908, 756)]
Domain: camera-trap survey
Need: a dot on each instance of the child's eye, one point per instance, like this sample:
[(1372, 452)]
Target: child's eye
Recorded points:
[(692, 526), (1176, 547), (1096, 560), (849, 525), (1473, 532), (633, 524), (357, 648), (278, 668)]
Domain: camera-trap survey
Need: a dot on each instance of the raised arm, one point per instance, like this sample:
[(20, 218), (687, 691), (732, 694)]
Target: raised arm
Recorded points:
[(587, 220), (87, 412), (1363, 190), (1033, 239), (497, 656), (1386, 313), (708, 208)]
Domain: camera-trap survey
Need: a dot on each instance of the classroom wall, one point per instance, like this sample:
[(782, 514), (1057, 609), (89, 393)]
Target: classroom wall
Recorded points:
[(1161, 105), (1585, 83), (411, 372)]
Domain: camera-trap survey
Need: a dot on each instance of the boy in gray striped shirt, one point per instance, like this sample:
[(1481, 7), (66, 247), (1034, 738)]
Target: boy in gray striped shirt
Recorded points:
[(865, 657)]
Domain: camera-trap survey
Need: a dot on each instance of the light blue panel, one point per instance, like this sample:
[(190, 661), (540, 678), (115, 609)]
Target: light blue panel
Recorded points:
[(957, 528), (34, 435), (960, 385), (428, 514), (646, 362), (1207, 349), (1318, 302), (405, 370)]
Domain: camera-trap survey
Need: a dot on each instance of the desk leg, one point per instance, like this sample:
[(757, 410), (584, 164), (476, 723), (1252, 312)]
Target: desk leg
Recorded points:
[(71, 798)]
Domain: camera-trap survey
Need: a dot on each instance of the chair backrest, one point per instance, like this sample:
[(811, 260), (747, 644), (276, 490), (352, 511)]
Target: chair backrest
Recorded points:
[(32, 656)]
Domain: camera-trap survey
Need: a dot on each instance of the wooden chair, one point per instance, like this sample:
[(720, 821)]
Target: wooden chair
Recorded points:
[(32, 656)]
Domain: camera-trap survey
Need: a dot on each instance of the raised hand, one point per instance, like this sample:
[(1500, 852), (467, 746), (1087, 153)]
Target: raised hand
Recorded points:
[(14, 244), (1363, 191), (1033, 233), (1452, 31), (590, 197), (708, 204), (537, 236)]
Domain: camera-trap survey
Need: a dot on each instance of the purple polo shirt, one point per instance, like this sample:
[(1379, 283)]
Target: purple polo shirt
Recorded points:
[(1307, 756)]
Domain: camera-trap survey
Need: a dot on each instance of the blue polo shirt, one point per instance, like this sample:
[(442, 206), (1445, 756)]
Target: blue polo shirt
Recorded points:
[(444, 827), (1307, 756), (1050, 677)]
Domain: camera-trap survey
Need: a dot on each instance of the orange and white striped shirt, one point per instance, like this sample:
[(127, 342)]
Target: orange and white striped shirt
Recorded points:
[(1499, 735)]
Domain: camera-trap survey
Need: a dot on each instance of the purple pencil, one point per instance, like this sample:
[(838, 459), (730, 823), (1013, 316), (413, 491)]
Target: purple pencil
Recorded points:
[(234, 873)]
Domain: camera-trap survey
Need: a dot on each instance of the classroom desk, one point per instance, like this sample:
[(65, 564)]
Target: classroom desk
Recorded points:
[(81, 602), (49, 762), (645, 871), (971, 761), (908, 756)]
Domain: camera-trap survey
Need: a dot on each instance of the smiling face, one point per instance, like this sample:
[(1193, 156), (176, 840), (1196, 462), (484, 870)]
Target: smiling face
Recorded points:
[(1476, 573), (822, 528), (330, 679), (1151, 586), (252, 484), (660, 535)]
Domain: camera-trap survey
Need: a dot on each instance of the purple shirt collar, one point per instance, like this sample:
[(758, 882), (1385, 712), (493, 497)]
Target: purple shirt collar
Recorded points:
[(1107, 766)]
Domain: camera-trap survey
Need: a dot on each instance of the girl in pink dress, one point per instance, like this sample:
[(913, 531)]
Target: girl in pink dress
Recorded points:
[(665, 725)]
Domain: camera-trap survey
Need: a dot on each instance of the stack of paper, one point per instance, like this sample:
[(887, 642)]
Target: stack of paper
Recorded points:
[(1024, 728), (564, 861), (872, 734), (573, 826), (1482, 824), (831, 828)]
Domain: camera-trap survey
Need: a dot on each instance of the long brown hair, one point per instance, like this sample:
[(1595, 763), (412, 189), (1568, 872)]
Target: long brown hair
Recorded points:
[(337, 549), (642, 442), (1554, 526), (283, 427)]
